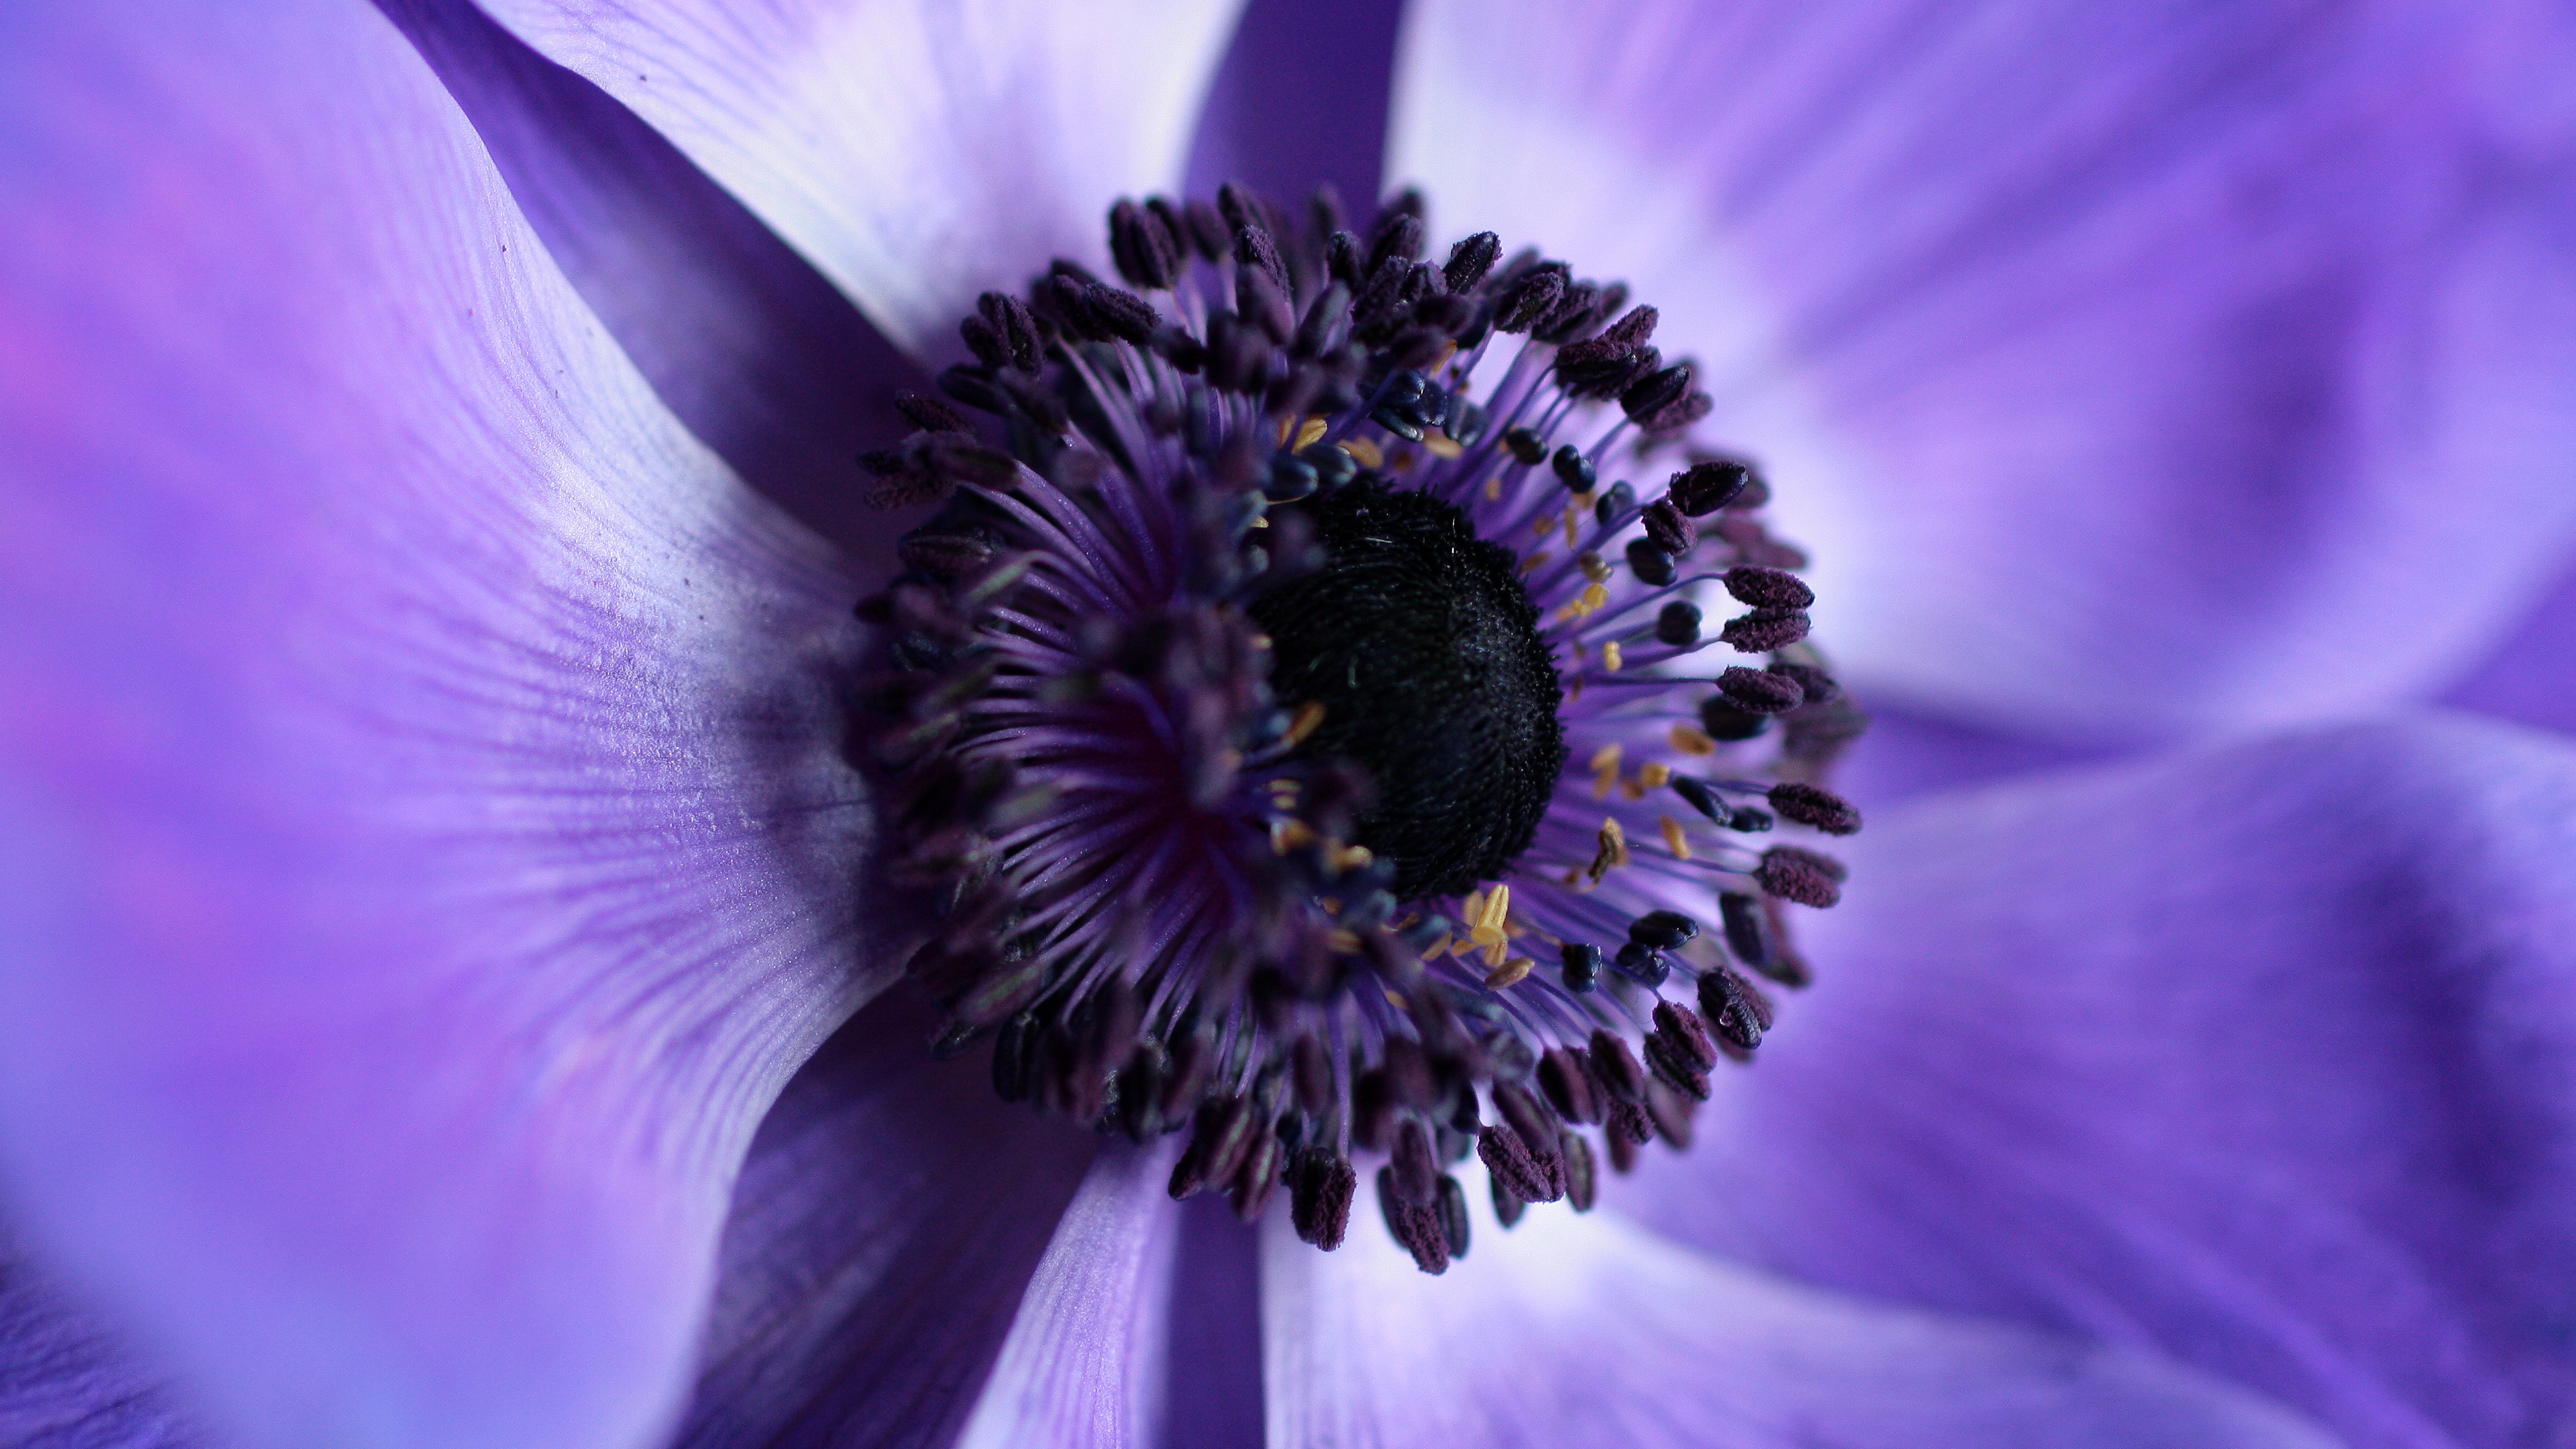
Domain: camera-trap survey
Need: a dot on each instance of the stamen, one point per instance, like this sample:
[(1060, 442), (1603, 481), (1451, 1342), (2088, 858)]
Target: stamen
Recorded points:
[(1240, 706)]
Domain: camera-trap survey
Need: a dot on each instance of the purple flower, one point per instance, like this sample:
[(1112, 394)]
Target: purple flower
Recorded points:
[(434, 892)]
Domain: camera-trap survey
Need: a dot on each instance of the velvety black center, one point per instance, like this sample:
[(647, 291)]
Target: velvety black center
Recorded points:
[(1422, 645)]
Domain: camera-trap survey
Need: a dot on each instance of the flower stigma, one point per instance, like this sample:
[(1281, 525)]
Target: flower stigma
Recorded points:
[(1293, 707)]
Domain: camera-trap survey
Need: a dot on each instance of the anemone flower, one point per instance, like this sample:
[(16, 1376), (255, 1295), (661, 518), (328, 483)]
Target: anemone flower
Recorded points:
[(440, 902)]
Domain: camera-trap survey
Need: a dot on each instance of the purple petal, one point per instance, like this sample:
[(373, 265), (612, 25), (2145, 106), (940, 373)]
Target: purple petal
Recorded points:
[(751, 347), (889, 1218), (1300, 101), (67, 1380), (2527, 677), (2133, 371), (1588, 1330), (918, 153), (2260, 1057), (427, 850)]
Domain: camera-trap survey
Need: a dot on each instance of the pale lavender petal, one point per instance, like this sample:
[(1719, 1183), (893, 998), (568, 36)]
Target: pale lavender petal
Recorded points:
[(762, 357), (1590, 1330), (2132, 370), (1087, 1356), (68, 1380), (886, 1226), (918, 153), (2261, 1057), (2531, 676), (427, 848)]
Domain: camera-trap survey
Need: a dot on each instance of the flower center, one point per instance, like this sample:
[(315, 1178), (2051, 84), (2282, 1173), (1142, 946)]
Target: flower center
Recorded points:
[(1290, 706), (1422, 646)]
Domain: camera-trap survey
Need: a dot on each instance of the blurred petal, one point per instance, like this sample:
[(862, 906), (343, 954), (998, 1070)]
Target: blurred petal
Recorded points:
[(2263, 1057), (1589, 1330), (67, 1381), (2134, 370), (427, 850), (890, 1216), (761, 356), (919, 153), (2527, 677)]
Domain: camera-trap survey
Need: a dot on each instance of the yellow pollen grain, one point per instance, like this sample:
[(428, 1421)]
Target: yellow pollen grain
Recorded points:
[(1542, 524), (1310, 432), (1691, 742), (1510, 973), (1494, 954), (1613, 851), (1631, 790), (1610, 657), (1288, 835), (1594, 567), (1362, 451), (1349, 857), (1448, 350), (1605, 770), (1438, 948), (1497, 906), (1654, 775), (1310, 715), (1395, 1001), (1442, 446), (1345, 941), (1472, 909), (1534, 563), (1573, 514), (1673, 840), (1493, 489)]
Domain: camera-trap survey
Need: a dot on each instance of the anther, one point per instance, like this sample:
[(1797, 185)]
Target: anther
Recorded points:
[(1818, 686), (1741, 914), (1759, 691), (1670, 529), (1662, 930), (1321, 1184), (1800, 875), (1144, 252), (1453, 1215), (1614, 505), (1677, 624), (1704, 488), (1573, 469), (1616, 1067), (1656, 391), (1643, 964), (1768, 588), (1471, 259), (1652, 565), (1582, 966), (1568, 1084), (1526, 446), (1734, 1008), (1808, 805), (1764, 630), (1415, 1225)]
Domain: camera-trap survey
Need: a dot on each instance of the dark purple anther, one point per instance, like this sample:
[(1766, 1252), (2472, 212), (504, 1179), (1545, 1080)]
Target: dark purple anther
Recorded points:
[(1818, 686), (1582, 1178), (1530, 300), (1258, 1177), (1742, 914), (1568, 1084), (1508, 1205), (1616, 1067), (1764, 630), (1142, 249), (1670, 529), (1651, 564), (1321, 1184), (1513, 1165), (1808, 805), (1758, 691), (1671, 1067), (930, 414), (1311, 1068), (1416, 1225), (1614, 504), (1453, 1215), (1700, 796), (1470, 260), (1768, 588), (1412, 1161), (1732, 1008), (1800, 875), (1573, 469), (1677, 624), (1681, 1026), (1704, 488), (1582, 966), (1643, 964), (1662, 930), (1656, 391)]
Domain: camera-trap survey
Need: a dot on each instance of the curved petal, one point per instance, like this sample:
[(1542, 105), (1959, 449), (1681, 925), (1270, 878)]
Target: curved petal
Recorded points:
[(2261, 1057), (427, 847), (1300, 101), (2168, 368), (66, 1379), (2526, 678), (889, 1218), (919, 153), (1589, 1330), (740, 337)]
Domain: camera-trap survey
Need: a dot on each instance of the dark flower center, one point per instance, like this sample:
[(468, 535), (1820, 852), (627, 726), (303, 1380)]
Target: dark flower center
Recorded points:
[(1293, 709), (1422, 646)]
